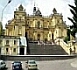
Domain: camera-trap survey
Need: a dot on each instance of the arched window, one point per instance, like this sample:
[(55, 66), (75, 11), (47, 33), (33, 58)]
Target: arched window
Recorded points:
[(58, 21), (38, 24), (52, 36)]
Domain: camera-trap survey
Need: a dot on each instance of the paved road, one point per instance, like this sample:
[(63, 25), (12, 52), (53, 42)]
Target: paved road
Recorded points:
[(69, 64)]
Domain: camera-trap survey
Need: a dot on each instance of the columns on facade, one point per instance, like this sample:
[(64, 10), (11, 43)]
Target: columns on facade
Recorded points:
[(16, 30), (64, 32), (58, 32), (23, 30), (10, 50), (49, 36), (2, 51), (18, 50), (25, 50), (6, 33), (34, 36)]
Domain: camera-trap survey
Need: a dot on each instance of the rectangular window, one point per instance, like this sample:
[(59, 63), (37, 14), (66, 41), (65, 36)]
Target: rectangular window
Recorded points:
[(14, 42), (14, 50), (20, 31), (14, 27), (0, 41), (6, 49), (7, 42)]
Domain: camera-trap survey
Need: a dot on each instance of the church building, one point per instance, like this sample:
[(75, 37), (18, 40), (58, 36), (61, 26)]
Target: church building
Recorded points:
[(36, 26)]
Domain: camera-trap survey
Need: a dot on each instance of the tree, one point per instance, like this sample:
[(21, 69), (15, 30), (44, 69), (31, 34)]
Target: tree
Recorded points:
[(73, 10), (68, 36)]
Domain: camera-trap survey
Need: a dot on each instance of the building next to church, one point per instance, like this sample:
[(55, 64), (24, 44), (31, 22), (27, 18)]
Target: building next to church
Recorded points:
[(36, 26), (13, 45)]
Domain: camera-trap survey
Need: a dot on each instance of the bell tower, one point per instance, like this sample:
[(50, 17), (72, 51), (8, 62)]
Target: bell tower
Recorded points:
[(20, 13), (20, 20)]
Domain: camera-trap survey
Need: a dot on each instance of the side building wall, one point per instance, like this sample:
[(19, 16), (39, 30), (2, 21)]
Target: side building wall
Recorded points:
[(10, 45)]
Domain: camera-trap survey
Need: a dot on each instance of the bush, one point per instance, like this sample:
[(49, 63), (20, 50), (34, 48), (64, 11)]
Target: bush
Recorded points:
[(66, 39)]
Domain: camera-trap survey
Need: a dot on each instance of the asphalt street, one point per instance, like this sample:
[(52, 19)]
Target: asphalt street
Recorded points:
[(67, 64)]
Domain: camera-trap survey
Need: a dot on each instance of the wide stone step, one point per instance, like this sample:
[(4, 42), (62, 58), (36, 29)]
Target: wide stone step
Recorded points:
[(36, 49), (38, 58)]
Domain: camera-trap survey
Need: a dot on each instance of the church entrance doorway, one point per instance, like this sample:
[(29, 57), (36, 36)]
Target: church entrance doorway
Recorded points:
[(21, 51), (52, 37), (38, 36)]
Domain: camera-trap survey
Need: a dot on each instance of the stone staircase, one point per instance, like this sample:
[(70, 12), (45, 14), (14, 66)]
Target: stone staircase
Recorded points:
[(35, 49)]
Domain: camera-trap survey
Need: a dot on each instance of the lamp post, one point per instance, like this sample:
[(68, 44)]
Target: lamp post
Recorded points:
[(2, 17), (4, 9)]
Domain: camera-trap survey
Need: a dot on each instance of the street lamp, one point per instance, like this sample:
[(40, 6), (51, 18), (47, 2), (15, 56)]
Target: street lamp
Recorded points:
[(2, 13), (4, 9)]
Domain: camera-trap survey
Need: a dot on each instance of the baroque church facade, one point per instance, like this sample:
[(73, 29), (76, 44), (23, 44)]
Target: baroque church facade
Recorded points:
[(36, 26)]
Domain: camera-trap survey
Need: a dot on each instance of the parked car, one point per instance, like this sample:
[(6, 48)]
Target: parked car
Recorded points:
[(17, 65), (2, 64), (31, 64)]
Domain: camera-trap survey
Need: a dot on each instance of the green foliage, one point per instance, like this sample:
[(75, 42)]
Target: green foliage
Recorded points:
[(68, 33), (66, 39), (73, 10), (68, 36)]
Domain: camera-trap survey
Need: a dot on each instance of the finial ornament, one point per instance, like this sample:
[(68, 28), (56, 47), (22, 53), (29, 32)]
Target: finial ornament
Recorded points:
[(21, 8), (54, 10)]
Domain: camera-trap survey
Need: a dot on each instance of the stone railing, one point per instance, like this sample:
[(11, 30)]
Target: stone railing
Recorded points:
[(76, 48), (73, 45), (65, 46)]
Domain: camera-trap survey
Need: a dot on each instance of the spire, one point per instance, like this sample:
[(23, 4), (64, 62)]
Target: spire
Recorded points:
[(54, 10), (21, 8), (38, 12), (34, 9)]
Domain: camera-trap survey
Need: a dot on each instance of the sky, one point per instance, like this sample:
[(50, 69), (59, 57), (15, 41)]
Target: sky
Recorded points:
[(45, 6)]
